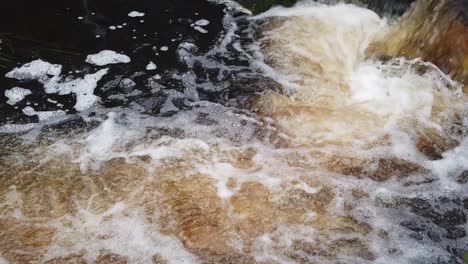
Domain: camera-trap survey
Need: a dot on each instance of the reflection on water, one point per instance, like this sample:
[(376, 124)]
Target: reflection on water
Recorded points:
[(284, 143)]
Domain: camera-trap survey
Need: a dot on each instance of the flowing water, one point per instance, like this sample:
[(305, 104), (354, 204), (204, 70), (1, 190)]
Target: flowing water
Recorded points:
[(273, 138)]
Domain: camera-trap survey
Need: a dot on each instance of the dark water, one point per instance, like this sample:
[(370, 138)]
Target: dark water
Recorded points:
[(53, 32)]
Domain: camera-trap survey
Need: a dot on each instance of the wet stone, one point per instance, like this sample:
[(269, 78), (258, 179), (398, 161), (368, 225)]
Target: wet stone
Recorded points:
[(416, 236), (356, 246), (457, 251), (429, 149), (127, 84), (463, 177), (159, 260), (457, 201), (420, 207), (451, 218), (71, 259), (447, 260), (455, 233), (203, 119), (152, 103), (451, 222), (434, 236), (111, 259), (444, 199), (412, 225), (419, 182)]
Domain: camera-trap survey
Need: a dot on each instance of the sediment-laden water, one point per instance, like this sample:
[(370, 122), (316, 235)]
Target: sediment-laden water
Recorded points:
[(214, 136)]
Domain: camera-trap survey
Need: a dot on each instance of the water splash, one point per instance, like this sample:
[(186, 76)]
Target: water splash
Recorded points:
[(342, 158)]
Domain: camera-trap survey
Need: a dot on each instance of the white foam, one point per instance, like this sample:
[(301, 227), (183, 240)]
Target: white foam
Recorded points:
[(166, 147), (106, 57), (208, 133), (82, 88), (35, 70), (202, 22), (100, 141), (3, 261), (133, 237), (329, 74), (44, 116), (386, 94), (16, 94), (269, 248), (168, 106), (312, 9), (151, 66), (200, 29), (52, 101), (16, 128), (454, 162), (136, 14)]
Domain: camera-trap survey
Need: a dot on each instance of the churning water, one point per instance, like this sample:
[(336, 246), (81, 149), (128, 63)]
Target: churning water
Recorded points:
[(275, 138)]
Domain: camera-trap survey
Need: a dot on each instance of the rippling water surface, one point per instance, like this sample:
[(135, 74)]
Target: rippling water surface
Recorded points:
[(227, 138)]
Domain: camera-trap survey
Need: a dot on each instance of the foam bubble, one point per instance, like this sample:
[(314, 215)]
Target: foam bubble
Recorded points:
[(200, 29), (35, 70), (44, 116), (16, 94), (106, 57), (136, 14), (132, 237), (202, 22), (151, 66), (82, 88)]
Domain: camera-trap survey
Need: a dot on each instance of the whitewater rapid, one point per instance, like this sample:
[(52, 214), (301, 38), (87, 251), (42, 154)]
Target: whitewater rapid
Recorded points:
[(286, 142)]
